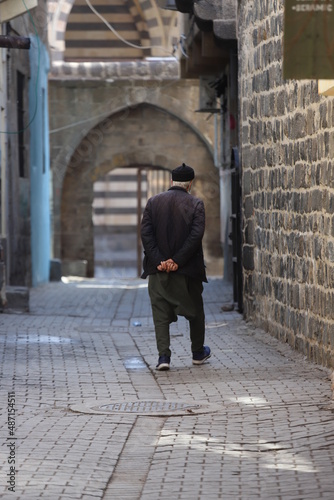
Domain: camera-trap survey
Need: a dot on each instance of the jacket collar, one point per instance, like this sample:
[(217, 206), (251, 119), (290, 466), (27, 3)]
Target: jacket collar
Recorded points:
[(177, 188)]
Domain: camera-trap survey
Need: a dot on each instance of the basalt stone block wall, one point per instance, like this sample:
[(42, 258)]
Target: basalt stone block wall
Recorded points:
[(287, 154)]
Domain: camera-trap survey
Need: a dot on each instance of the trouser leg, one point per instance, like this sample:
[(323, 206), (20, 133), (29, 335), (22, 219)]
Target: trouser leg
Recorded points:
[(172, 295), (197, 324), (163, 315), (163, 340)]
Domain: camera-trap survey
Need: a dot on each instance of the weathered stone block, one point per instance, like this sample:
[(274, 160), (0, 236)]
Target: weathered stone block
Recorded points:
[(225, 30), (247, 182), (17, 299), (249, 233), (248, 258), (74, 268), (249, 207), (300, 345)]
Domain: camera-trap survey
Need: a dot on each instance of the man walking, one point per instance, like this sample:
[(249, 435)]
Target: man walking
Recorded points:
[(172, 230)]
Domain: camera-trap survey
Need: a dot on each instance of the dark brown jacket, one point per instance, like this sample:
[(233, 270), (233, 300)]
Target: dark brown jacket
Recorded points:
[(172, 227)]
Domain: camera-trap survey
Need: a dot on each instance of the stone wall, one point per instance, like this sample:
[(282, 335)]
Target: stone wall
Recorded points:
[(287, 150)]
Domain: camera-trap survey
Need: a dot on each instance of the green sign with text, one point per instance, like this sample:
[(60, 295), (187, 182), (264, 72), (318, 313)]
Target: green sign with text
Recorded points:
[(308, 39)]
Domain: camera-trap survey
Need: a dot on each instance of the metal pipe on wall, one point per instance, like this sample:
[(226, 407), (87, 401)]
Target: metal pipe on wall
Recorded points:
[(3, 157), (216, 144)]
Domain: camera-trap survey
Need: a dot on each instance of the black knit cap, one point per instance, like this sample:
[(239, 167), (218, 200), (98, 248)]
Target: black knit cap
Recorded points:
[(183, 173)]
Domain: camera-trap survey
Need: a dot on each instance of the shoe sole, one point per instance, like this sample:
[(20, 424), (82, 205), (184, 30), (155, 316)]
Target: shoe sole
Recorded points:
[(201, 361), (163, 367)]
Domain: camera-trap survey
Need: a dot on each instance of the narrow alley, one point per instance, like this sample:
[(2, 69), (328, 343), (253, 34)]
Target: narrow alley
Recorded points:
[(88, 416)]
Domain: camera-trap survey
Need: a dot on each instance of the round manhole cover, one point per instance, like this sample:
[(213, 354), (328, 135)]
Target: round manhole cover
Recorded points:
[(148, 408)]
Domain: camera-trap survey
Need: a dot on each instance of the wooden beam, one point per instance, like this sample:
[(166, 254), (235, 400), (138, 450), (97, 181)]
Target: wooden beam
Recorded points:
[(14, 42)]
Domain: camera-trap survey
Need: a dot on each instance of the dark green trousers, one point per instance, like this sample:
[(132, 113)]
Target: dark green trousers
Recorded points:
[(175, 295)]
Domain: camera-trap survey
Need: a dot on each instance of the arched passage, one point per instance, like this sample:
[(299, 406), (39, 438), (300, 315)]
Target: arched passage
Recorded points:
[(119, 201), (143, 135)]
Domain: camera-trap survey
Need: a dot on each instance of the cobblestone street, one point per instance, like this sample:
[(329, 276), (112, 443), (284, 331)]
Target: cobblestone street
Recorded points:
[(85, 415)]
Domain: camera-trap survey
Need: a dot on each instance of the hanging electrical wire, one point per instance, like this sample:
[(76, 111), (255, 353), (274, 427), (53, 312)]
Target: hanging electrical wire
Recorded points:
[(183, 38), (80, 122)]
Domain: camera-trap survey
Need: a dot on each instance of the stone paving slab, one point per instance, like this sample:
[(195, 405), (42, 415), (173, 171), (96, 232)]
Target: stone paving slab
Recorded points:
[(85, 342)]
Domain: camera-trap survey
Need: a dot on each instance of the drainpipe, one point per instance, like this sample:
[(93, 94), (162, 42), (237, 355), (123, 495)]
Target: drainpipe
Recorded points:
[(3, 157), (216, 147), (3, 135)]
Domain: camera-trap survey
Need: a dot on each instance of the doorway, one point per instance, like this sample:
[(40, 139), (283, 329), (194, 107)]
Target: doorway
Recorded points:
[(119, 199)]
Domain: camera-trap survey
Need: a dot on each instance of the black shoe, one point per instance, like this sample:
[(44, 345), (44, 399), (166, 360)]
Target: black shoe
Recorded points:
[(163, 363), (200, 356)]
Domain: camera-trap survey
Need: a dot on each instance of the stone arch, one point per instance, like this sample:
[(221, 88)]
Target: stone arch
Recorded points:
[(125, 99), (178, 97), (146, 136), (161, 25)]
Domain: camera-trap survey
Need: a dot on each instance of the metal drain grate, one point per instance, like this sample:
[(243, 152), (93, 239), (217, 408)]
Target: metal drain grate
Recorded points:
[(147, 407)]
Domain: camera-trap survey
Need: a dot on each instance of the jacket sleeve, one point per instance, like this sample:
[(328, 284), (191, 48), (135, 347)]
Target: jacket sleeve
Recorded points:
[(193, 242), (148, 238)]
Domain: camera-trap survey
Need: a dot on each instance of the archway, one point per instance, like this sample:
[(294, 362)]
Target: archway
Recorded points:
[(119, 201), (144, 135), (156, 26)]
